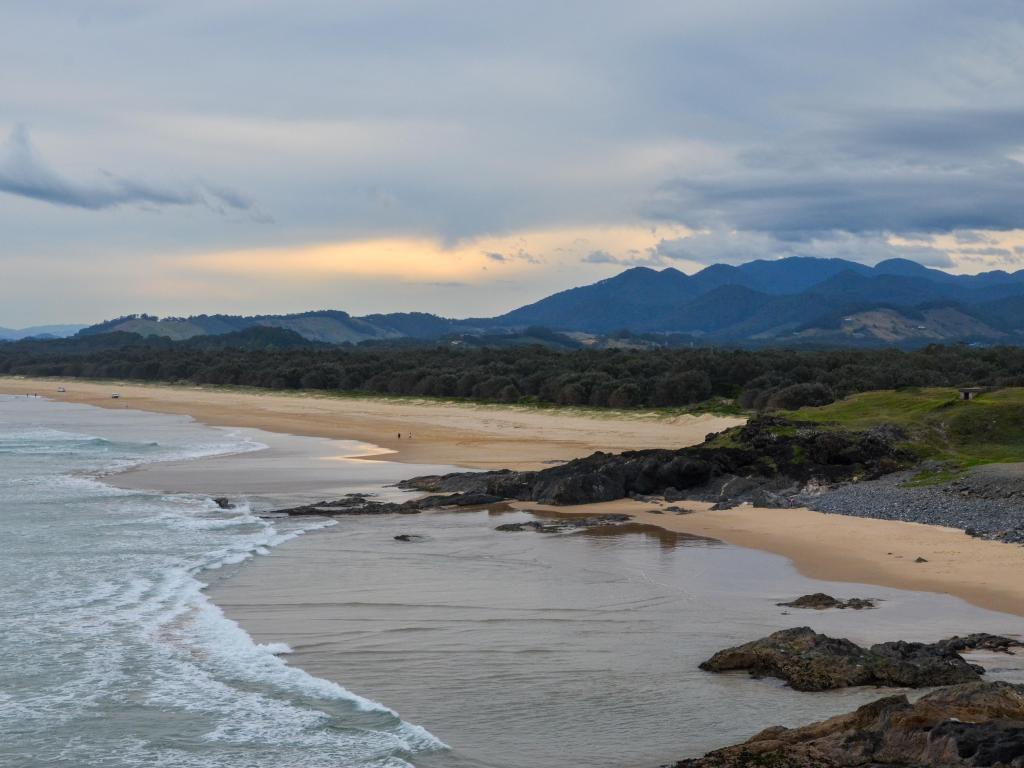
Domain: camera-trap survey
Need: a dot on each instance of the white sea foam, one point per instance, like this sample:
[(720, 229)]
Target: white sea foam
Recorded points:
[(108, 616)]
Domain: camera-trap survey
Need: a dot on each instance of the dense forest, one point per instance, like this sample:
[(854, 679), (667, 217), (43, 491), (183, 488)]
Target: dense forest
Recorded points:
[(617, 378)]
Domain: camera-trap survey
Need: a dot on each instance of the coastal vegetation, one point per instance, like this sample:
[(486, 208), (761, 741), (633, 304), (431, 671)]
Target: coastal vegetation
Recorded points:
[(755, 380), (938, 425)]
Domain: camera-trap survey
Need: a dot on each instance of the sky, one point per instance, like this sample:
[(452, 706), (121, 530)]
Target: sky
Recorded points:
[(465, 158)]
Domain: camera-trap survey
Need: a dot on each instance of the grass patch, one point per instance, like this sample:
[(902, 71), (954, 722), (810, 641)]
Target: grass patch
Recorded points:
[(958, 434)]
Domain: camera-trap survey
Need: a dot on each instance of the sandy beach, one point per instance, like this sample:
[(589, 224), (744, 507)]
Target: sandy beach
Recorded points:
[(823, 546), (467, 435)]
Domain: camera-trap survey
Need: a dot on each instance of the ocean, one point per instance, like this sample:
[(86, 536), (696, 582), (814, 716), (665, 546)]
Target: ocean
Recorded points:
[(112, 653), (345, 647)]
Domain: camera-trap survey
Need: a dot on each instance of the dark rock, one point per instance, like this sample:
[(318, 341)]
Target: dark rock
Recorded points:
[(352, 504), (469, 499), (964, 726), (361, 504), (920, 560), (982, 641), (223, 502), (769, 461), (410, 537), (809, 661), (821, 601), (563, 525)]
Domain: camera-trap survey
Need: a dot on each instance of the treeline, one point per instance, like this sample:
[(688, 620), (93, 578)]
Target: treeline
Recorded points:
[(617, 378)]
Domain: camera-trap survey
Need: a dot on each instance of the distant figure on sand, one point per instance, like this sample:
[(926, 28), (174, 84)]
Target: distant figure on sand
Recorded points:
[(399, 435)]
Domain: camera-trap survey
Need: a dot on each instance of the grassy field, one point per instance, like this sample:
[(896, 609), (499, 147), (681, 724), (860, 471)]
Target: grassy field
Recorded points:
[(941, 427)]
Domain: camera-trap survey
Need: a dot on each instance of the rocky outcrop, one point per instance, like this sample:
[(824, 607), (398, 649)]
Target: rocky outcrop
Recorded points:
[(809, 661), (982, 641), (769, 461), (819, 601), (963, 726), (361, 504), (564, 525)]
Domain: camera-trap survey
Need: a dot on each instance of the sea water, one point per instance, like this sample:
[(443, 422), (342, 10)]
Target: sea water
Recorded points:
[(508, 650), (112, 655)]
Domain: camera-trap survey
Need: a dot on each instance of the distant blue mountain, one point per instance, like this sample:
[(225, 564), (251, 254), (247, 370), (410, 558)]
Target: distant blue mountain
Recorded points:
[(39, 332), (797, 299), (783, 298)]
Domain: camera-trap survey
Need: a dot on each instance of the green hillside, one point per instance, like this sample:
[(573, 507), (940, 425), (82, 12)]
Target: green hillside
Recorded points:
[(940, 426)]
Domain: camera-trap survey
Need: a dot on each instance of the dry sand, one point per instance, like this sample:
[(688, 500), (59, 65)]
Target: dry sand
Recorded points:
[(467, 435), (831, 547)]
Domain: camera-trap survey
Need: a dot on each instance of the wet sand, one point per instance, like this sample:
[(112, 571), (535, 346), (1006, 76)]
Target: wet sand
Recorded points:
[(850, 549), (824, 546)]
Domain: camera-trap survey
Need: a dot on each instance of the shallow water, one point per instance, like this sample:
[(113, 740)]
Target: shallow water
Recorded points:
[(113, 655), (514, 649), (540, 650)]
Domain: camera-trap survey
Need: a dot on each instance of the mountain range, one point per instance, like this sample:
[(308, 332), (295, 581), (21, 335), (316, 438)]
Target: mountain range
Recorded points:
[(792, 300), (39, 332)]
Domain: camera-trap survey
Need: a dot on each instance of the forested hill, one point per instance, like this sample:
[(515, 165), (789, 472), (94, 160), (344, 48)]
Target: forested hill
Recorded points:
[(619, 378), (794, 301)]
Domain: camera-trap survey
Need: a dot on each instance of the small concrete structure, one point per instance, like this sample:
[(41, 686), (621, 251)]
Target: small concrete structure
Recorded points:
[(969, 393)]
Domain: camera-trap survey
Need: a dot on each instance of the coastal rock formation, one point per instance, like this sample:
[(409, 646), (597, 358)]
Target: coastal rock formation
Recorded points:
[(769, 461), (809, 661), (820, 601), (982, 641), (223, 502), (361, 504), (963, 726)]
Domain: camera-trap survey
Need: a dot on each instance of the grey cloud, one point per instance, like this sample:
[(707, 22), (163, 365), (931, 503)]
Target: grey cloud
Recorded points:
[(600, 257), (518, 255), (991, 251), (738, 247), (866, 179), (966, 237), (789, 127), (634, 259), (25, 173)]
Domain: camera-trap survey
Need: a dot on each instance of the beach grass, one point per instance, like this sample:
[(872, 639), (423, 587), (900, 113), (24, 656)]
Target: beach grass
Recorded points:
[(952, 434)]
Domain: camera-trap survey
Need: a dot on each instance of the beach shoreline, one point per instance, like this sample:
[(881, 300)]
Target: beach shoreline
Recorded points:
[(471, 435), (823, 546)]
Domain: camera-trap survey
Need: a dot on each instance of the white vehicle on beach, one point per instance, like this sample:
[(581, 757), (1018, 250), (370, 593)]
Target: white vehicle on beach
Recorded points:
[(61, 389), (114, 396)]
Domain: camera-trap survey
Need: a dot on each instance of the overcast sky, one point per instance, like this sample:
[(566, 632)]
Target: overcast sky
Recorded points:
[(467, 157)]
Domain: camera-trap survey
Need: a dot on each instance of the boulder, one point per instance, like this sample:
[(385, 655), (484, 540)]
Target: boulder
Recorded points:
[(809, 661), (964, 726), (820, 601)]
